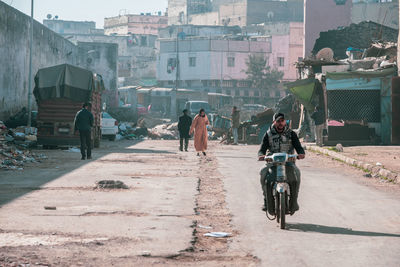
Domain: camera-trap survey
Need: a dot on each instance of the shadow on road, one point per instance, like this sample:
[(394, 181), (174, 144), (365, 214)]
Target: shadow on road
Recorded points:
[(145, 151), (305, 227), (17, 184)]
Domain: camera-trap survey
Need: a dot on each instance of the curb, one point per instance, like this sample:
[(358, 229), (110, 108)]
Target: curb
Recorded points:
[(367, 167)]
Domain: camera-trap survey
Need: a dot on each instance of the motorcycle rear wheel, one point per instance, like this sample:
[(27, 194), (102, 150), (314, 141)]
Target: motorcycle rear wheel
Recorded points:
[(282, 209)]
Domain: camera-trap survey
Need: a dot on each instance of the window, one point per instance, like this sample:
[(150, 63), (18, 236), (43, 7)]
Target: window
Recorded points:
[(256, 93), (237, 92), (281, 61), (171, 65), (192, 62), (231, 62), (246, 92), (228, 91), (143, 40)]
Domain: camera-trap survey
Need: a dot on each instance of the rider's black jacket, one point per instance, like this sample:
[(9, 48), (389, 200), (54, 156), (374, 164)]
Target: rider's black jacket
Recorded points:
[(294, 140)]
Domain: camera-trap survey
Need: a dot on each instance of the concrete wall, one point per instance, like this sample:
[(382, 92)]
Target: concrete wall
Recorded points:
[(65, 27), (234, 14), (134, 24), (134, 61), (177, 12), (321, 16), (102, 59), (117, 25), (269, 28), (209, 18), (198, 30), (261, 11), (49, 49), (382, 13)]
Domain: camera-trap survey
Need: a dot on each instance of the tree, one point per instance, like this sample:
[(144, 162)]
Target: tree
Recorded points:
[(261, 75)]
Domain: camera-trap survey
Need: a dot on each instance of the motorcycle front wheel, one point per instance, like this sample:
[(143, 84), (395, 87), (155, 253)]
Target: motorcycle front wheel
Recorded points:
[(282, 209)]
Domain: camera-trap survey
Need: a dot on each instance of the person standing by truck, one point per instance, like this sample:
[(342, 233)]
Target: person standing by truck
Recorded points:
[(185, 121), (235, 124), (83, 123)]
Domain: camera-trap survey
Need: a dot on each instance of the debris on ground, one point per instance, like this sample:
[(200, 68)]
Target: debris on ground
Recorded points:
[(132, 131), (167, 131), (111, 184), (217, 234), (14, 144), (73, 149)]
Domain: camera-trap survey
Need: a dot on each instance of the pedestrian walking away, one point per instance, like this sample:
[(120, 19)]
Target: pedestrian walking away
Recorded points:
[(199, 127), (83, 124), (235, 124), (185, 121), (319, 118)]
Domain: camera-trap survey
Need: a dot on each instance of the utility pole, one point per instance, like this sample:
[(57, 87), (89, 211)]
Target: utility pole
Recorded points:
[(30, 70), (175, 89)]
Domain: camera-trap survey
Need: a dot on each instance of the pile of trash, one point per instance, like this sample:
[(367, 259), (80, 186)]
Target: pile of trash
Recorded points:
[(14, 144), (166, 131), (132, 131), (12, 158), (22, 136)]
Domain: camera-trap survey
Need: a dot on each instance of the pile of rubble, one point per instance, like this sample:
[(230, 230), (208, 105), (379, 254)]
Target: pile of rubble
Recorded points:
[(132, 131), (14, 144), (166, 131)]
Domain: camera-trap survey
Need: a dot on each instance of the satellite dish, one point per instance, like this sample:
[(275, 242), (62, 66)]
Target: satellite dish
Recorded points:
[(325, 54), (49, 16), (56, 17)]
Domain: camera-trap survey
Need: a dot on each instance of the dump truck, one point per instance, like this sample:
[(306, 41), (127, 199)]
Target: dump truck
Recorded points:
[(60, 92)]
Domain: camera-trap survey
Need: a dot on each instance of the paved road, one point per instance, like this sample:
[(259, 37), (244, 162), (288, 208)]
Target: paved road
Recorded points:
[(341, 222), (142, 219)]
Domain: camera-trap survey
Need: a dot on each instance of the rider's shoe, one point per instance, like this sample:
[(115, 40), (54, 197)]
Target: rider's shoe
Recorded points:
[(294, 207)]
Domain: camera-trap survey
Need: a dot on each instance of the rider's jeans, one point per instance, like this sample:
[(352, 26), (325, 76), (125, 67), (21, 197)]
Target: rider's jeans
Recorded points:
[(292, 174)]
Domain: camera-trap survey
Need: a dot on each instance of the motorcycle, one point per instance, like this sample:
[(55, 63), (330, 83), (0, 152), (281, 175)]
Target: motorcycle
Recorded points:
[(280, 187)]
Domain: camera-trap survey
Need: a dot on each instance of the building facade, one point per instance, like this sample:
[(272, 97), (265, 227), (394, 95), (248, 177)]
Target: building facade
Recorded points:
[(321, 16), (384, 12), (233, 12), (67, 26), (217, 65), (135, 24)]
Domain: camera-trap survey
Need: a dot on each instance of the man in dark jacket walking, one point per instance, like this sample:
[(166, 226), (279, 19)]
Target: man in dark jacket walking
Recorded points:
[(185, 121), (319, 118), (83, 124)]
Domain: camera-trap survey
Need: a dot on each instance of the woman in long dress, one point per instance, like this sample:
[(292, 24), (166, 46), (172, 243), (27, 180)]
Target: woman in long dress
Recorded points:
[(199, 127)]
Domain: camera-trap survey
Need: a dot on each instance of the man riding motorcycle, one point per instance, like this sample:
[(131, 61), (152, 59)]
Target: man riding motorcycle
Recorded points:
[(279, 138)]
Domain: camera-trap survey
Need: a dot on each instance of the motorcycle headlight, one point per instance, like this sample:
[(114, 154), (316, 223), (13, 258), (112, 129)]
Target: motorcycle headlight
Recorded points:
[(280, 158)]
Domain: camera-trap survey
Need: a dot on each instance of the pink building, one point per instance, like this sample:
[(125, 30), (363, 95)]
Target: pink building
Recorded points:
[(135, 24), (296, 42), (321, 16)]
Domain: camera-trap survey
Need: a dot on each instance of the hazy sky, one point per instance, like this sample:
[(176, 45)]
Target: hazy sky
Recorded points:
[(90, 10)]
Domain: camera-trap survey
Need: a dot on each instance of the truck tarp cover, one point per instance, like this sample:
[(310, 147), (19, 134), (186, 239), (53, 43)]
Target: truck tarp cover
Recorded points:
[(64, 81)]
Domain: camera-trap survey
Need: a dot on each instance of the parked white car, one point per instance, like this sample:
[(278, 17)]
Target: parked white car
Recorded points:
[(109, 126)]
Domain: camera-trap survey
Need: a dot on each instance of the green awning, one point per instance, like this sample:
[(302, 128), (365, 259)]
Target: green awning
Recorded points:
[(303, 91)]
